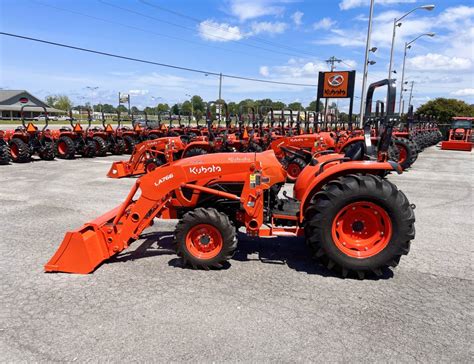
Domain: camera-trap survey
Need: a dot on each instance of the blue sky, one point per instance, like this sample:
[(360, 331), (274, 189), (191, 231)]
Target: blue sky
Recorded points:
[(280, 40)]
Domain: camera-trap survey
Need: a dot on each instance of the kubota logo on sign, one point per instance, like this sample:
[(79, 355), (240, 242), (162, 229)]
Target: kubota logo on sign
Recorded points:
[(201, 170), (336, 80)]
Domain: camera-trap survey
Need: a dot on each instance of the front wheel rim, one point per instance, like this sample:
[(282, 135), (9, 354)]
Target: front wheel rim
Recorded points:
[(361, 229), (293, 170), (204, 241)]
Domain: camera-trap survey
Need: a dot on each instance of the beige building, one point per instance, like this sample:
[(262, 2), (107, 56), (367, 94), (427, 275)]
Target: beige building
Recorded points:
[(11, 102)]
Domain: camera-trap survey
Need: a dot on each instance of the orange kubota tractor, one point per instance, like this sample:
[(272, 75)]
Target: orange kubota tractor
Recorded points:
[(460, 135), (354, 220)]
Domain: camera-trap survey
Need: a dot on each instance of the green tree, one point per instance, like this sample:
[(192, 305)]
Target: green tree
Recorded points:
[(245, 104), (198, 103), (107, 108), (444, 109), (295, 106), (121, 109), (175, 109), (233, 108), (134, 110), (162, 108), (278, 105), (149, 110), (312, 106), (61, 102), (187, 108)]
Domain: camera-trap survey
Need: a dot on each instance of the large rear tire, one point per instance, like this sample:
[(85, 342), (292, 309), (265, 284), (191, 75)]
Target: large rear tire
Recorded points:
[(192, 152), (205, 238), (129, 144), (89, 150), (48, 151), (405, 153), (118, 147), (359, 224), (65, 148), (100, 146), (4, 153), (19, 151)]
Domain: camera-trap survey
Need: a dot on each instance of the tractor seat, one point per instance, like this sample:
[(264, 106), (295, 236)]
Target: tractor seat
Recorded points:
[(356, 151)]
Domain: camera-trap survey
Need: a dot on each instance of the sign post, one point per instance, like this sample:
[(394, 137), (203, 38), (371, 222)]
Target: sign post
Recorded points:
[(336, 85)]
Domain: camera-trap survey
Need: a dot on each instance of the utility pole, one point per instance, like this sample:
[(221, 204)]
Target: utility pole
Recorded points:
[(220, 85), (331, 61)]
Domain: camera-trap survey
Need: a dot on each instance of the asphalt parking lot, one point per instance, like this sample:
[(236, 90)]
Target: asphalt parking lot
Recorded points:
[(142, 307)]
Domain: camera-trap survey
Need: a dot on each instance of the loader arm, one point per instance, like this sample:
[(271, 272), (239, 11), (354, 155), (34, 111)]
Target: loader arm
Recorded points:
[(160, 147), (160, 194)]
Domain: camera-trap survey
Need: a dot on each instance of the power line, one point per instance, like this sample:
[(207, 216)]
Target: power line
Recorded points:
[(193, 30), (154, 63), (141, 29), (196, 20)]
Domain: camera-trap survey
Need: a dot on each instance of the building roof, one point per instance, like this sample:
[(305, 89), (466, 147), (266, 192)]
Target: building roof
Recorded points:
[(10, 101)]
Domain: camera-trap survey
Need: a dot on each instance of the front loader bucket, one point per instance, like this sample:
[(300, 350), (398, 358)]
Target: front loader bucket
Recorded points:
[(456, 145), (82, 250), (119, 170)]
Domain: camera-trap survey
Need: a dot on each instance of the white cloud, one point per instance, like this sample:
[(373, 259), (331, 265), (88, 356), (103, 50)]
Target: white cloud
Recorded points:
[(350, 4), (297, 17), (251, 9), (138, 92), (454, 14), (464, 92), (324, 23), (219, 32), (264, 71), (268, 27), (438, 62)]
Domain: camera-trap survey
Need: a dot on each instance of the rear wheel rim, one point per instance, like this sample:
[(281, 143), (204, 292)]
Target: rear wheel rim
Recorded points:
[(361, 229), (402, 154), (204, 241), (14, 151), (62, 148)]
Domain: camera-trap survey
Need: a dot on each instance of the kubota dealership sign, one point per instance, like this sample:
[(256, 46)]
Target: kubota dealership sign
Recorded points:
[(336, 84)]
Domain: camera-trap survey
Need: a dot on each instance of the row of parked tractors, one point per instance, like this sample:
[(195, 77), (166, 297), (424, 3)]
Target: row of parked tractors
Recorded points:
[(294, 136)]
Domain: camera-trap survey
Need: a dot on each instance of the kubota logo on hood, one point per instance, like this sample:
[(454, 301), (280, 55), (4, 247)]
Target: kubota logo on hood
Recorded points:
[(200, 170), (335, 80)]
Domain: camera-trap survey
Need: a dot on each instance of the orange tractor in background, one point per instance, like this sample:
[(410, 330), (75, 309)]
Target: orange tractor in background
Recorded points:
[(27, 140), (354, 221), (460, 134)]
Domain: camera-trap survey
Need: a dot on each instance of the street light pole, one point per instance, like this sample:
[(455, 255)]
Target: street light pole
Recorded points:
[(408, 46), (366, 64), (395, 24)]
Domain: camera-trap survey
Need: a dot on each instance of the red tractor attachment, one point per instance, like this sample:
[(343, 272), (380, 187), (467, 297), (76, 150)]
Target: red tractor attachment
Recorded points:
[(460, 135)]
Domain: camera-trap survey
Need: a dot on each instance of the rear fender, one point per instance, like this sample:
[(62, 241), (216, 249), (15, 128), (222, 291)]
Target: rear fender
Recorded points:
[(311, 180)]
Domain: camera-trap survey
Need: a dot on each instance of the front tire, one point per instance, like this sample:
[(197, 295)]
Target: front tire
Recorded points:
[(205, 238), (359, 224)]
